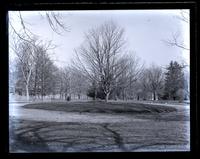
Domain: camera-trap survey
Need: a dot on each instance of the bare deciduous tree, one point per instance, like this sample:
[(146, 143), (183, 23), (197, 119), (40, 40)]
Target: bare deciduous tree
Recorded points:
[(184, 16), (125, 82), (66, 74), (175, 41), (24, 52), (79, 82), (142, 86), (54, 19), (155, 78), (99, 57), (32, 56)]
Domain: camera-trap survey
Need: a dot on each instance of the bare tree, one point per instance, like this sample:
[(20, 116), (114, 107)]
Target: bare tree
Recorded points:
[(67, 82), (142, 85), (64, 85), (184, 16), (32, 56), (45, 74), (54, 19), (131, 73), (155, 78), (56, 23), (79, 82), (12, 74), (61, 81), (175, 40), (99, 56), (24, 52)]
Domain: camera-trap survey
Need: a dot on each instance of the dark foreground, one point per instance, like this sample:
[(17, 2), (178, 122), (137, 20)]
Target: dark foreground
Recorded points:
[(156, 128)]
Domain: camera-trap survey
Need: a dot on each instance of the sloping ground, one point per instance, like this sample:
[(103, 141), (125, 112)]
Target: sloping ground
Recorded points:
[(101, 107)]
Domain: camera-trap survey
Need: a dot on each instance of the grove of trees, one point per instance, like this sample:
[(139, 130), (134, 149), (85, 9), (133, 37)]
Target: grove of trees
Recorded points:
[(102, 68)]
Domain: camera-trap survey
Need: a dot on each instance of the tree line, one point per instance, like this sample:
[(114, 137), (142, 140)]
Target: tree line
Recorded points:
[(102, 68)]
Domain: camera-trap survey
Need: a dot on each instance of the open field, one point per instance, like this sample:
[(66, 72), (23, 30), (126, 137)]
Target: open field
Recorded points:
[(99, 126)]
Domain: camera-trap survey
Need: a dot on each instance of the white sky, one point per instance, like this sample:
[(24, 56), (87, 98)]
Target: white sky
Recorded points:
[(144, 32)]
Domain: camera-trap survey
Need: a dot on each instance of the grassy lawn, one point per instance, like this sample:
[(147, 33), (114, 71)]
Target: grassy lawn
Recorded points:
[(101, 107), (163, 128)]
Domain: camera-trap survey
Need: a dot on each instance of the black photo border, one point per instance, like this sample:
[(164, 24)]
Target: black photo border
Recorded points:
[(14, 5)]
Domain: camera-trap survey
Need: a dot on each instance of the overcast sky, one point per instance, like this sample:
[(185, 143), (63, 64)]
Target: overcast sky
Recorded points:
[(144, 32)]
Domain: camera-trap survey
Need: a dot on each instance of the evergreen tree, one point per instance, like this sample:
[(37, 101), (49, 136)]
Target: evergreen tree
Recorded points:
[(174, 81)]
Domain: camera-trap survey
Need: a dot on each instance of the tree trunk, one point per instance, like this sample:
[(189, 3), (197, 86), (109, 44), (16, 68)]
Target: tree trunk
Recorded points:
[(65, 96), (27, 93), (115, 97), (154, 95), (42, 89), (95, 94), (123, 94), (107, 96), (35, 83)]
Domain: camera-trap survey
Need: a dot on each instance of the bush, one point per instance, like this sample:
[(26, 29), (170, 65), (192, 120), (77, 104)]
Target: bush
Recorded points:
[(100, 93), (68, 98)]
